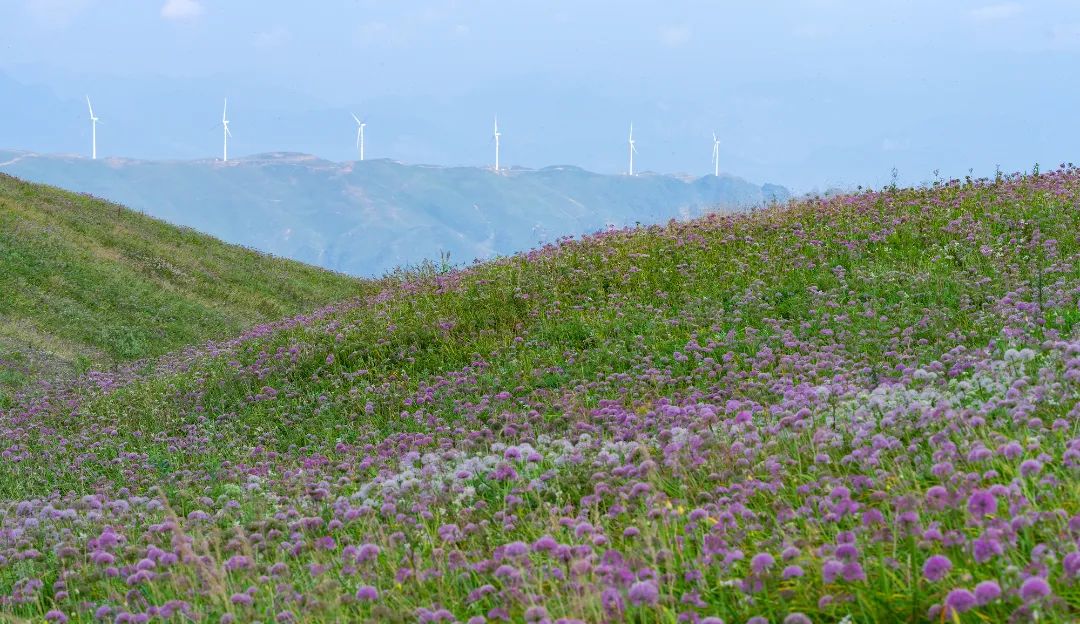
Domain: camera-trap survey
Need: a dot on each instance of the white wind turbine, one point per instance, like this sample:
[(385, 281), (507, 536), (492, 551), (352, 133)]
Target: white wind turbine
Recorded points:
[(496, 137), (633, 150), (225, 132), (359, 135), (716, 155), (93, 131)]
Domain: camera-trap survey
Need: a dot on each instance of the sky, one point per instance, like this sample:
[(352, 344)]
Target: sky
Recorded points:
[(811, 94)]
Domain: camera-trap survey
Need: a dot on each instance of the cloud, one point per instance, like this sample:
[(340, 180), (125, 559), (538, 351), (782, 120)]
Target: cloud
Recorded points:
[(56, 13), (674, 36), (993, 12), (181, 9), (1064, 36), (889, 144), (380, 33), (273, 38), (813, 30), (424, 25)]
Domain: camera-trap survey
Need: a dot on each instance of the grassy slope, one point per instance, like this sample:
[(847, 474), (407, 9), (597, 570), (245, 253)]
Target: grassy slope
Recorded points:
[(88, 283), (694, 394)]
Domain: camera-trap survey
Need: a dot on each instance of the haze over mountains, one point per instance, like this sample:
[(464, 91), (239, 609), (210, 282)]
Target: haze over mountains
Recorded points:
[(365, 218)]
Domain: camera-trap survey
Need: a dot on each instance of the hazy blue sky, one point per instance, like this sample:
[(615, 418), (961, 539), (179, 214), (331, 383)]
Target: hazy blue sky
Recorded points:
[(807, 93)]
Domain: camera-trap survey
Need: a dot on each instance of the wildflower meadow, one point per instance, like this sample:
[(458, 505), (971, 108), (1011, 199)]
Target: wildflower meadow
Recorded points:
[(864, 408)]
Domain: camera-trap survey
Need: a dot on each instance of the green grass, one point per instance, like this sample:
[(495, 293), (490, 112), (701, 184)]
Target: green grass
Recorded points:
[(89, 284), (833, 327)]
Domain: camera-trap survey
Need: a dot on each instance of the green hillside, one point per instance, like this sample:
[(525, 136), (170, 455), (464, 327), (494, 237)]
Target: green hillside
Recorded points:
[(859, 409), (86, 283)]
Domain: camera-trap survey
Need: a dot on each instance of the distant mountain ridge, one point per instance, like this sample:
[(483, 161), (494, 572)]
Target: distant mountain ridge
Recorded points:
[(365, 218)]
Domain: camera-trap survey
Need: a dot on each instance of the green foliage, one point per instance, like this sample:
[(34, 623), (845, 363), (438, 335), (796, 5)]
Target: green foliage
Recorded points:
[(903, 315), (86, 283)]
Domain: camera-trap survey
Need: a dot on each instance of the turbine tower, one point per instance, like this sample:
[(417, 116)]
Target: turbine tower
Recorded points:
[(225, 132), (93, 130), (496, 137), (633, 150), (359, 135), (716, 155)]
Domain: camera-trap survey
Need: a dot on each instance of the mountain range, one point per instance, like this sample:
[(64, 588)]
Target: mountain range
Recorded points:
[(367, 218)]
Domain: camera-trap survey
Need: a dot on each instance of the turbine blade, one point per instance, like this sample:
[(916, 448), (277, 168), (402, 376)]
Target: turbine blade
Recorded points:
[(225, 108), (227, 131), (90, 107), (357, 119)]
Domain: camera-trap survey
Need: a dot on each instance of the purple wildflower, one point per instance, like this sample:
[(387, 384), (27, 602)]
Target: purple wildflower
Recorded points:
[(367, 553), (1030, 467), (985, 548), (987, 592), (871, 517), (761, 563), (612, 600), (830, 570), (1034, 588), (1071, 564), (853, 571), (516, 549), (237, 562), (981, 503), (644, 592), (960, 600), (936, 567)]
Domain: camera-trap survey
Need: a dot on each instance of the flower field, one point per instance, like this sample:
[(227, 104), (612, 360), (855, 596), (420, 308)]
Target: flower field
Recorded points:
[(864, 409)]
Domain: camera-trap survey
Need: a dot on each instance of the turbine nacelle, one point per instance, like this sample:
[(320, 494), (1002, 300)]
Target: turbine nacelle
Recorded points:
[(495, 137), (93, 130), (225, 132), (359, 134), (716, 155)]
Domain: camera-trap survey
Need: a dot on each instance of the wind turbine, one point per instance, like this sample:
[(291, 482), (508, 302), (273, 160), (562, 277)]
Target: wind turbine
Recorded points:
[(225, 133), (93, 124), (633, 150), (359, 135), (716, 155), (496, 137)]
